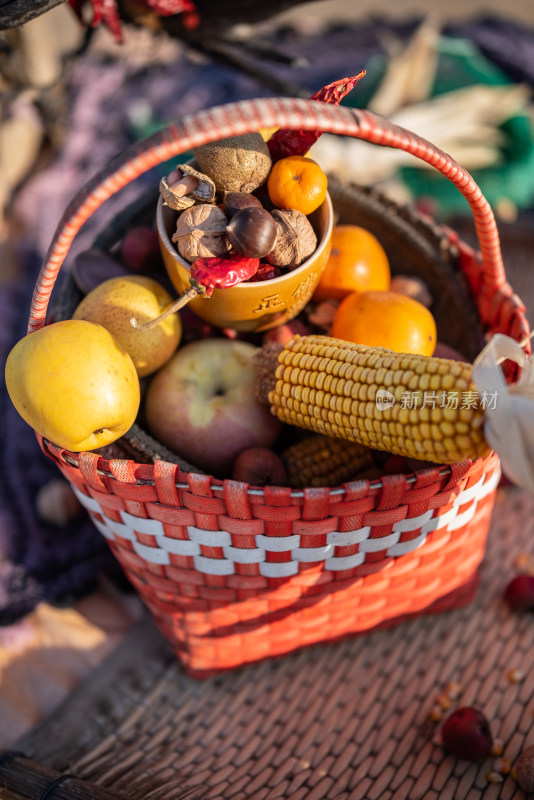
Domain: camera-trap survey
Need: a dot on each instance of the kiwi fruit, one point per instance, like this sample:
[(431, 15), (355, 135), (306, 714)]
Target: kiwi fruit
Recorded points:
[(236, 164)]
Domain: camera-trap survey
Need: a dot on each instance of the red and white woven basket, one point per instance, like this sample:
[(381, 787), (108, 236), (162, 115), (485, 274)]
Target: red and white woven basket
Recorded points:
[(233, 574)]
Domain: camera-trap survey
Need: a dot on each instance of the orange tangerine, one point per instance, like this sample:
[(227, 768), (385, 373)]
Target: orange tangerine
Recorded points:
[(357, 263), (386, 319), (297, 182)]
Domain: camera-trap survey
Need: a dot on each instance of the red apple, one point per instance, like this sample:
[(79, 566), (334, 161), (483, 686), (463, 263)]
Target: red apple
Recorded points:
[(202, 404)]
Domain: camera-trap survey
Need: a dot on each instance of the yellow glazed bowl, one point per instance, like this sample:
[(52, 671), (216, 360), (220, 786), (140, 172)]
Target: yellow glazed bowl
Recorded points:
[(257, 306)]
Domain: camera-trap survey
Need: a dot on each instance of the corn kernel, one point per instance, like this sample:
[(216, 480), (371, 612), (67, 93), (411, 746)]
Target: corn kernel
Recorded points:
[(453, 690), (444, 701), (502, 766), (497, 747), (523, 561)]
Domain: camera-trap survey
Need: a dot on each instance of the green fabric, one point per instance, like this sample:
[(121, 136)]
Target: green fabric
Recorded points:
[(461, 64)]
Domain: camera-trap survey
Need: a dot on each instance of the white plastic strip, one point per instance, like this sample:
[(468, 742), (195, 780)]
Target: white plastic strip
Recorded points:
[(279, 569), (104, 530), (278, 544), (152, 527), (451, 518), (442, 521), (117, 528), (209, 538), (469, 494), (490, 483), (244, 555), (380, 543), (312, 553), (152, 554), (462, 519), (214, 566), (178, 547), (344, 562), (412, 523), (346, 538), (401, 548), (88, 502)]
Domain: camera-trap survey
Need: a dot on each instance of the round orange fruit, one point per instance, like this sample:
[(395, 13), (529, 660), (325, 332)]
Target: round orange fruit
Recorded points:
[(386, 319), (297, 182), (357, 263)]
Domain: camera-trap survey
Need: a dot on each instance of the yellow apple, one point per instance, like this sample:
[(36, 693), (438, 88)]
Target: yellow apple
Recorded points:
[(113, 304), (74, 384)]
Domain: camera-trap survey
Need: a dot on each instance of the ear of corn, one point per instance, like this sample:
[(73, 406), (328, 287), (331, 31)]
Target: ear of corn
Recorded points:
[(362, 394), (323, 461)]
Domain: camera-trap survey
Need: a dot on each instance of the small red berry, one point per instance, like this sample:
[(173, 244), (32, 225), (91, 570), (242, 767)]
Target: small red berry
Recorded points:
[(259, 466), (466, 734), (395, 464), (282, 334), (519, 594), (139, 250)]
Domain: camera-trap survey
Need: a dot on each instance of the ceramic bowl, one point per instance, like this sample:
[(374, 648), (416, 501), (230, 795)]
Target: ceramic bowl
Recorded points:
[(256, 306)]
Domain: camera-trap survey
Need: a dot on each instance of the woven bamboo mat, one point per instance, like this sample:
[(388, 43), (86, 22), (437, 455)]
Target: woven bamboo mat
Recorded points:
[(347, 720)]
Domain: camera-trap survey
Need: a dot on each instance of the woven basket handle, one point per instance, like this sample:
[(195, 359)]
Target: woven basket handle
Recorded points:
[(242, 117)]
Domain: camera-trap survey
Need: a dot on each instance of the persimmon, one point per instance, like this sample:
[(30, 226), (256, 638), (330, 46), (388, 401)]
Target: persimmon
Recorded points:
[(357, 263), (297, 182), (386, 319)]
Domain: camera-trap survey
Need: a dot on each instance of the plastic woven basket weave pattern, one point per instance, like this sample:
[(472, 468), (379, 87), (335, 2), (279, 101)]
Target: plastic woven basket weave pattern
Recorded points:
[(234, 574)]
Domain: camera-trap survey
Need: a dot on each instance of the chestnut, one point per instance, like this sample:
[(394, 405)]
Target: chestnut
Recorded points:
[(235, 201), (252, 232)]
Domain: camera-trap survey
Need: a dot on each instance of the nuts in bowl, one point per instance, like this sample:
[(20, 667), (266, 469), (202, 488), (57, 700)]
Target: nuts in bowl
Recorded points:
[(292, 248)]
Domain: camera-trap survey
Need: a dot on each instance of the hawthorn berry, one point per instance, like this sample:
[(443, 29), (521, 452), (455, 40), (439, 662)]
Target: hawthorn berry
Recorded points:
[(519, 594), (466, 734)]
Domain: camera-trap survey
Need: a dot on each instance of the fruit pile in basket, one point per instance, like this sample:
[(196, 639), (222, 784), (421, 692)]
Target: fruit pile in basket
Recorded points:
[(198, 383), (356, 365)]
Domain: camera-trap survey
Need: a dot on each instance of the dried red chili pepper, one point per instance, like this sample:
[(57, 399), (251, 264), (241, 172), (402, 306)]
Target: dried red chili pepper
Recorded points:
[(208, 274), (220, 273), (286, 142), (266, 272), (106, 11), (167, 8)]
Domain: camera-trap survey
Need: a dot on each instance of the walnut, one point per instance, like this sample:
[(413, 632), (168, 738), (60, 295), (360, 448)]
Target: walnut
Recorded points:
[(186, 186), (295, 241), (412, 287), (201, 232)]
